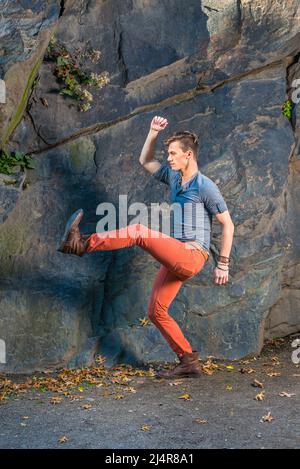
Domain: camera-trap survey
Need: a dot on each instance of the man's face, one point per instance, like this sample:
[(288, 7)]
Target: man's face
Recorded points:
[(177, 158)]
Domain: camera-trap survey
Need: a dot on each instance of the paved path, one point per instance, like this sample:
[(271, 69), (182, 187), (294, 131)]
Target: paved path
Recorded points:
[(220, 410)]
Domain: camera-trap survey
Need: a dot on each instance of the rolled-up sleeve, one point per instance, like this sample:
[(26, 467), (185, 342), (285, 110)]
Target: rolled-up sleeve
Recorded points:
[(163, 174), (213, 199)]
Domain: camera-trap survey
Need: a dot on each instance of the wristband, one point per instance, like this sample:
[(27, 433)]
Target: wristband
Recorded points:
[(223, 258), (225, 270)]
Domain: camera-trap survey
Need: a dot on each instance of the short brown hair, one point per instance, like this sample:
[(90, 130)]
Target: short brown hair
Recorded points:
[(188, 140)]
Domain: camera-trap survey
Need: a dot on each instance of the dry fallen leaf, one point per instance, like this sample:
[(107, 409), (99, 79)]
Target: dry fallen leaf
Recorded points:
[(276, 342), (86, 406), (209, 367), (200, 421), (145, 428), (144, 321), (273, 373), (245, 362), (75, 398), (276, 360), (44, 102), (176, 383), (130, 389), (260, 396), (56, 400), (286, 394), (100, 359), (63, 439), (247, 370), (257, 384), (186, 397), (267, 418)]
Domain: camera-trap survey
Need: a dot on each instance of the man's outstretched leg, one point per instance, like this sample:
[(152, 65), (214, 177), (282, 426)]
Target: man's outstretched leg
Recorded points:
[(170, 252)]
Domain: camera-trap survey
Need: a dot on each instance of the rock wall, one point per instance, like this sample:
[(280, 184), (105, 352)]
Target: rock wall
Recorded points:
[(220, 69)]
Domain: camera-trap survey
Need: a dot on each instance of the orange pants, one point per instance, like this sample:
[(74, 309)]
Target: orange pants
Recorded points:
[(178, 263)]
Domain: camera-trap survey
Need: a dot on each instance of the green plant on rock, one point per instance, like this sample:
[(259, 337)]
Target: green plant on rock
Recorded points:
[(287, 109), (9, 161), (69, 71)]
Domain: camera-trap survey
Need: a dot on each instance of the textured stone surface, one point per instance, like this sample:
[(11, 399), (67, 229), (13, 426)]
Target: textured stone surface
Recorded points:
[(222, 72), (25, 29)]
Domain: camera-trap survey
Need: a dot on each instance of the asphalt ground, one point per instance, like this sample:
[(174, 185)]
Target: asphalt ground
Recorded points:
[(250, 403)]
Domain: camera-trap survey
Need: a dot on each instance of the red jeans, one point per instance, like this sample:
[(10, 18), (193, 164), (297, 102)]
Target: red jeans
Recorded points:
[(178, 264)]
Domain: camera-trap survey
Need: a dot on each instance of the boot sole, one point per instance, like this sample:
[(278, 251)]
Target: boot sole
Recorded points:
[(74, 220)]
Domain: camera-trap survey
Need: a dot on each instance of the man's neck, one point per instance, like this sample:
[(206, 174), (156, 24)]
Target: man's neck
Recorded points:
[(189, 172)]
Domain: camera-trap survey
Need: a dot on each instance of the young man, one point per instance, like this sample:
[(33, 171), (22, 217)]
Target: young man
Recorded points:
[(181, 255)]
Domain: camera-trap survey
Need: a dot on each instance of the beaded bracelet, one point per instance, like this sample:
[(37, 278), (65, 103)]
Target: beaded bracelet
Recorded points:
[(221, 264), (224, 259)]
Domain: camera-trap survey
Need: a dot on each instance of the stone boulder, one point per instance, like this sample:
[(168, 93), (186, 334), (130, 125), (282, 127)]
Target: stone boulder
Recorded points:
[(220, 69)]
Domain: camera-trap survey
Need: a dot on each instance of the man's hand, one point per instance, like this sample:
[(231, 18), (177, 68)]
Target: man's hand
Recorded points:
[(158, 123), (147, 155), (220, 276)]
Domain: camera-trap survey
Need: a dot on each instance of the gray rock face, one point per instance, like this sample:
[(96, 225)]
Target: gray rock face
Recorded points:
[(222, 72), (20, 24), (25, 29)]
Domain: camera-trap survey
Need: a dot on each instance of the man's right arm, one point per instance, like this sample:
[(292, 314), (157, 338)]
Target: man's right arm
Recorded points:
[(147, 154)]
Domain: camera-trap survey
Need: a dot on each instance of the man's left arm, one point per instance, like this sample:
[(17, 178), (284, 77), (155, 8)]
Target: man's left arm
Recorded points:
[(221, 276), (217, 207)]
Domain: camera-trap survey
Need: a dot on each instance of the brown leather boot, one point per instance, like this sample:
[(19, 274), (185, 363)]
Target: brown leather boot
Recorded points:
[(73, 242), (189, 366)]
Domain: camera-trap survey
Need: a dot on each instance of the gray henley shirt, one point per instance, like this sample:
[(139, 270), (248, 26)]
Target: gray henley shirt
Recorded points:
[(195, 202)]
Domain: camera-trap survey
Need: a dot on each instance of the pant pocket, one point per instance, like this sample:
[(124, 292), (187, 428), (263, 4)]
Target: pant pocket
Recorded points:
[(184, 270)]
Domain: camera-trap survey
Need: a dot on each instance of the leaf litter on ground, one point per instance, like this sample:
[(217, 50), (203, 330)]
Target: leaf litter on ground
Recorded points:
[(69, 382)]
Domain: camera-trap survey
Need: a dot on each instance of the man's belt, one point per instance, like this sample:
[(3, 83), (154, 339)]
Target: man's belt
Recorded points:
[(199, 247)]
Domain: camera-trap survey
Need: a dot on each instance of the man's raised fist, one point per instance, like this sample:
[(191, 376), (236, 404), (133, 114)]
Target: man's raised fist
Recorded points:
[(158, 123)]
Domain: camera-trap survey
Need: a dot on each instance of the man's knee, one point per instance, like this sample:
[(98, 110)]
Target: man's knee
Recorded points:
[(157, 312), (137, 230)]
